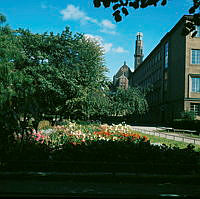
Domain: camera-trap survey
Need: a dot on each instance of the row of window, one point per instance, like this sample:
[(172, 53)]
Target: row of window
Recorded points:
[(195, 59), (152, 62), (198, 31), (195, 56), (166, 55), (195, 107), (151, 79), (195, 84)]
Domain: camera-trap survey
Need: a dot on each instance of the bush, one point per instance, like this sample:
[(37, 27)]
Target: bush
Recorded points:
[(90, 144), (44, 124), (188, 115), (187, 125)]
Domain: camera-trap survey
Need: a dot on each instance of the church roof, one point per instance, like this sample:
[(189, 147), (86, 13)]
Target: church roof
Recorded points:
[(124, 70)]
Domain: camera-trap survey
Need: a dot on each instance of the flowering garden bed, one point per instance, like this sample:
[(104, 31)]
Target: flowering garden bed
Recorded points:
[(95, 147)]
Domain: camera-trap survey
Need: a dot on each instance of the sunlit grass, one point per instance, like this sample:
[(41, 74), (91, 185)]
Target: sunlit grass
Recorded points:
[(168, 142)]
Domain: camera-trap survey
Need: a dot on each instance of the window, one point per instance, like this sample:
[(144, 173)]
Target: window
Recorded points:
[(166, 55), (195, 107), (159, 55), (195, 58), (195, 84), (198, 31)]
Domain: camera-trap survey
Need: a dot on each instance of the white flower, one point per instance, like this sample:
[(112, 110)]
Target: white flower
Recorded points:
[(115, 138)]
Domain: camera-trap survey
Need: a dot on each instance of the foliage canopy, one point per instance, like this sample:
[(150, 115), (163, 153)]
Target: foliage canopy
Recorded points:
[(48, 76)]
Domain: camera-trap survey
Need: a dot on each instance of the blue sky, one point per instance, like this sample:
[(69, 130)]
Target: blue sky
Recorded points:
[(118, 39)]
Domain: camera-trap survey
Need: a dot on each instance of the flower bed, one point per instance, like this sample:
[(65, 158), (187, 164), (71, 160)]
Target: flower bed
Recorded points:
[(96, 143), (77, 134)]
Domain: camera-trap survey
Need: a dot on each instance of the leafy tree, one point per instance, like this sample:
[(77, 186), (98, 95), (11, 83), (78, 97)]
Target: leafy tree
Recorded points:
[(65, 69), (61, 75), (2, 18), (89, 72), (121, 7), (14, 87), (128, 102), (43, 61), (47, 74)]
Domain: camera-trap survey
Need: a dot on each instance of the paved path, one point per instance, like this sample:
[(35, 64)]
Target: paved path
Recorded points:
[(169, 135)]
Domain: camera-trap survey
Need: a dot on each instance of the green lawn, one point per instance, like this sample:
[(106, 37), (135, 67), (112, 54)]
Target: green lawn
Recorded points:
[(173, 143)]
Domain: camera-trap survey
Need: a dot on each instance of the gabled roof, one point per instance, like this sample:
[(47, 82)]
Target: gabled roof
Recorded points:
[(124, 70)]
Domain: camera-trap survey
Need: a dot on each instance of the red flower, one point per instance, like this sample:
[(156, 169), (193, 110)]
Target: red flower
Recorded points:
[(74, 143)]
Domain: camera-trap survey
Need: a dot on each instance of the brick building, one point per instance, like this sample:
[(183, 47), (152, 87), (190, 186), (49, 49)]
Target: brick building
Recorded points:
[(121, 79), (172, 70)]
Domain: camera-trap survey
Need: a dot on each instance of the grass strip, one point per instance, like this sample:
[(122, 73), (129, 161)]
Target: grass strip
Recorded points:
[(168, 142)]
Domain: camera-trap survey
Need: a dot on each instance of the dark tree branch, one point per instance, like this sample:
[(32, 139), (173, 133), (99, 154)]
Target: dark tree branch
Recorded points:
[(121, 7)]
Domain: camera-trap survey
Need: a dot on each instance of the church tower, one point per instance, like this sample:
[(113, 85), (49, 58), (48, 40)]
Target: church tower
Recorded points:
[(138, 50)]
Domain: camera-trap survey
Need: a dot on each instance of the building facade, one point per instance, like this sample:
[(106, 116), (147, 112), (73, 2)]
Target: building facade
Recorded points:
[(172, 71), (121, 79)]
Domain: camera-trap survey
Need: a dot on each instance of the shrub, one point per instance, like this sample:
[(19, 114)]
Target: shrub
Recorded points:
[(187, 125), (188, 115), (92, 143), (44, 124)]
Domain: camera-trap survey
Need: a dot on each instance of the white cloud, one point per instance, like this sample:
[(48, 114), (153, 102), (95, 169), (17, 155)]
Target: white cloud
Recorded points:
[(119, 50), (108, 24), (107, 47), (72, 12), (111, 32), (108, 27), (97, 38), (91, 19), (45, 5)]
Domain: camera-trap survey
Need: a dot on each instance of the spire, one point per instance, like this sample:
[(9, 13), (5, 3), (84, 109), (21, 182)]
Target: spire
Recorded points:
[(138, 50)]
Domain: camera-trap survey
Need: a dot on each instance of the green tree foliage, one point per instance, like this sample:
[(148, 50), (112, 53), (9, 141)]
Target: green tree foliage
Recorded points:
[(2, 18), (47, 74), (89, 72), (120, 7), (60, 75), (128, 102), (15, 88), (65, 69)]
